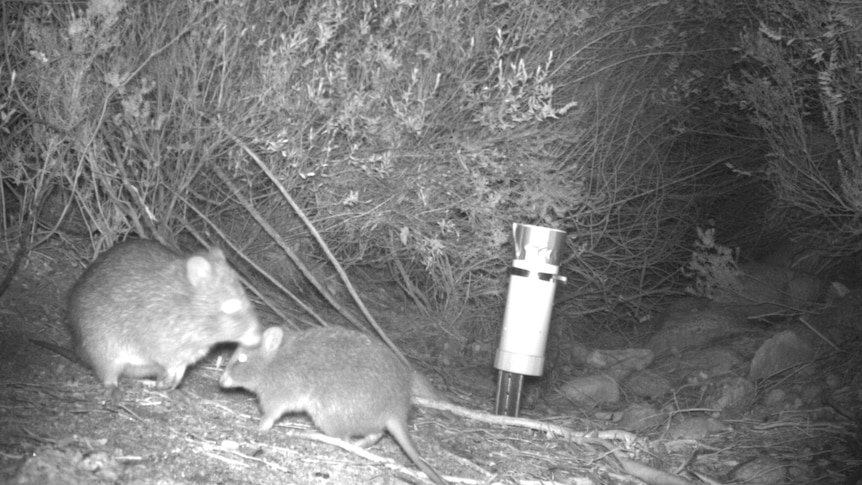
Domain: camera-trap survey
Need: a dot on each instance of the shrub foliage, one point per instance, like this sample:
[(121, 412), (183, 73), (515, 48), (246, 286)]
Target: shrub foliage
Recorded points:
[(414, 134)]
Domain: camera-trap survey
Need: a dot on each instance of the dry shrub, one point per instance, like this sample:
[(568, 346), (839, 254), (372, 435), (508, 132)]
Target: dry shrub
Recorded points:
[(713, 268), (799, 86), (413, 134), (108, 91)]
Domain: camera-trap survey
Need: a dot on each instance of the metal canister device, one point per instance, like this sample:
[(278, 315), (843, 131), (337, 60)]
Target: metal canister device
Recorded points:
[(533, 280)]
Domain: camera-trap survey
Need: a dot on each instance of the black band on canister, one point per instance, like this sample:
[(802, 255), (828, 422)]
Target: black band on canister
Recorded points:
[(532, 274)]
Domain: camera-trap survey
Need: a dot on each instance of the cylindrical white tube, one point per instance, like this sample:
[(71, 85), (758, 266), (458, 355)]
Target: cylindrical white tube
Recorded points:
[(525, 326), (532, 284)]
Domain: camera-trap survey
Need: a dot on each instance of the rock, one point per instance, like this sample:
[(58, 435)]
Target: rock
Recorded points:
[(591, 390), (621, 359), (696, 428), (764, 289), (639, 417), (769, 471), (779, 353), (647, 384), (730, 394), (693, 329)]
